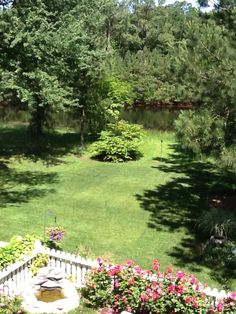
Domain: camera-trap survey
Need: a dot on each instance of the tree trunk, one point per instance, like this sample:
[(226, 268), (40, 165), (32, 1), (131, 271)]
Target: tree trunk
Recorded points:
[(37, 120), (82, 127), (108, 34)]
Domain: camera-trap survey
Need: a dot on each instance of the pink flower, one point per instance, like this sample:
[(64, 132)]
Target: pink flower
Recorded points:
[(138, 270), (169, 276), (220, 307), (180, 274), (116, 283), (124, 299), (144, 298), (192, 279), (115, 270), (232, 295), (130, 263), (154, 284), (195, 304), (155, 295)]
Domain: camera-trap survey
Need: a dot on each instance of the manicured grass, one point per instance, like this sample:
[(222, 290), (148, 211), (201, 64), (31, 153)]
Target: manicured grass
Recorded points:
[(137, 210)]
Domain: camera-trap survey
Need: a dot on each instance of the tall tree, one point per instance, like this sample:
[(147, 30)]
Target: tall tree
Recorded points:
[(28, 58)]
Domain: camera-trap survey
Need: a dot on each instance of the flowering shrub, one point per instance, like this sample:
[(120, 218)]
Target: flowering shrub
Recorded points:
[(11, 305), (130, 288), (56, 233)]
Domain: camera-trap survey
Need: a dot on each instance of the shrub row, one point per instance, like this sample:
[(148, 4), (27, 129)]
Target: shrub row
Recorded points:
[(130, 288)]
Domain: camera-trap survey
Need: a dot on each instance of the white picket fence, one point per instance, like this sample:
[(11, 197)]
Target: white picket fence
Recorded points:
[(15, 277)]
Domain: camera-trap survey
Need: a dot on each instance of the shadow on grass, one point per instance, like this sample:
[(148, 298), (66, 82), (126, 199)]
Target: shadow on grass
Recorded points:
[(17, 142), (20, 187), (177, 204)]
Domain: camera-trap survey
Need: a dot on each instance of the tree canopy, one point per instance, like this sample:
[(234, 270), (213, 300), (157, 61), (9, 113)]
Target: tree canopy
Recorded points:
[(92, 56)]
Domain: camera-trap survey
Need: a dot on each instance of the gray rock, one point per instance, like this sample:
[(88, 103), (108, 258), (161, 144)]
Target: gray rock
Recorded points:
[(51, 285)]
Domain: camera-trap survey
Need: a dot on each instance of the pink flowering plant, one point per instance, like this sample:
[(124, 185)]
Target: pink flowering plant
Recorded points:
[(130, 288)]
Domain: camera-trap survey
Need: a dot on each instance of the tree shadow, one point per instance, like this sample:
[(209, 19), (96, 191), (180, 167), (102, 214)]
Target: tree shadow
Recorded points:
[(17, 142), (20, 187), (178, 203)]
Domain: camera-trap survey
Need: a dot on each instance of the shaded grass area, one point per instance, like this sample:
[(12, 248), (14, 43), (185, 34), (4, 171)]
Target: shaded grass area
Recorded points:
[(137, 210), (178, 204), (17, 142)]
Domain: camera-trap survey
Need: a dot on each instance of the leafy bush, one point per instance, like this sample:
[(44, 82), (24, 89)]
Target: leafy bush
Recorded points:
[(201, 132), (119, 143), (11, 305), (129, 287), (17, 247), (41, 260)]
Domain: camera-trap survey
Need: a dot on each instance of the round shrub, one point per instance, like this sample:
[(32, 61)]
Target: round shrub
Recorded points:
[(120, 142)]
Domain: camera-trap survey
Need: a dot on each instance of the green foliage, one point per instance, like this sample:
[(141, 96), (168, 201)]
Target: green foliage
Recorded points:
[(41, 260), (217, 222), (11, 305), (201, 132), (223, 259), (130, 288), (117, 93), (16, 249), (119, 143), (228, 157)]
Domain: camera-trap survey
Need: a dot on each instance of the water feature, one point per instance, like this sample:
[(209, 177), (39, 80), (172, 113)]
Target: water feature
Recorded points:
[(50, 292), (49, 295)]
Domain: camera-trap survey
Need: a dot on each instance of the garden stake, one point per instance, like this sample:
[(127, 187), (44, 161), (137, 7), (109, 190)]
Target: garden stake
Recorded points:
[(161, 149)]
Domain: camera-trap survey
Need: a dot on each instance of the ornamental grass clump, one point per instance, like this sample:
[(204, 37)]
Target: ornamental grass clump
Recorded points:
[(130, 288)]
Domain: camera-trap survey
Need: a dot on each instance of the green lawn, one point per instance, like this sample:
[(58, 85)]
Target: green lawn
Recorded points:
[(137, 210)]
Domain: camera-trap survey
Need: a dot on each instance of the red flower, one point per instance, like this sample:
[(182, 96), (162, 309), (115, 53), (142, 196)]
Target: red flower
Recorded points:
[(117, 297), (124, 299), (156, 265), (195, 304), (131, 281), (169, 269), (187, 300)]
